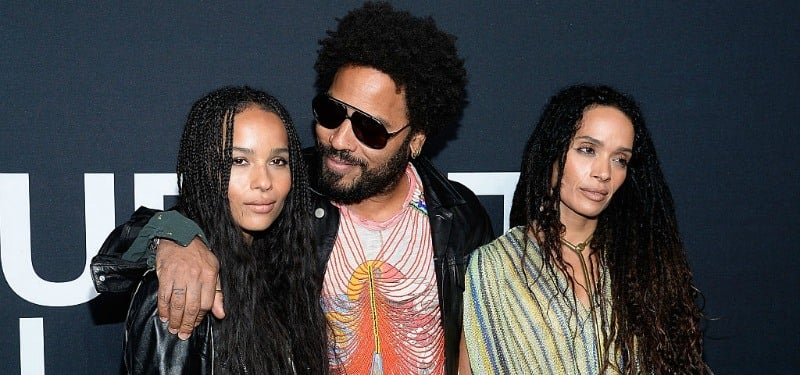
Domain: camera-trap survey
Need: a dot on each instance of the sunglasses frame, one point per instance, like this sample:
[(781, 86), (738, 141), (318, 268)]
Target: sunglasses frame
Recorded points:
[(360, 124)]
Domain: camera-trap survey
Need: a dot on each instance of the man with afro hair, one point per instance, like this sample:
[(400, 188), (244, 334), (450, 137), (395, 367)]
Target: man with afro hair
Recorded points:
[(393, 281), (393, 235)]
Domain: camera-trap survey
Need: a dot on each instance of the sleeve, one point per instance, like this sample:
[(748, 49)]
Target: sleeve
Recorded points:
[(149, 347), (486, 229), (128, 252), (168, 224), (112, 273), (480, 231)]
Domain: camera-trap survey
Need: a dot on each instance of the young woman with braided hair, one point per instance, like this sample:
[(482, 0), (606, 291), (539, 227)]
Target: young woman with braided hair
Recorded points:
[(242, 180), (594, 277)]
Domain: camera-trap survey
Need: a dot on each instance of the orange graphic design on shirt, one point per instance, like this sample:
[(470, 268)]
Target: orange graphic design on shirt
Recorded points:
[(383, 320), (380, 294)]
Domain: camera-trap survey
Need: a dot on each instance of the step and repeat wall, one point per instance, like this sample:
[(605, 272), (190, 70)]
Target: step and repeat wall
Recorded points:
[(94, 95)]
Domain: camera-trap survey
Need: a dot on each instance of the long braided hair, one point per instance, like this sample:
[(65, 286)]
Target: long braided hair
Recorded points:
[(274, 322), (654, 316)]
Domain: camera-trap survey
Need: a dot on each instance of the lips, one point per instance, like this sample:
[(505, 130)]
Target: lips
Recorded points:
[(261, 207), (597, 195), (338, 165)]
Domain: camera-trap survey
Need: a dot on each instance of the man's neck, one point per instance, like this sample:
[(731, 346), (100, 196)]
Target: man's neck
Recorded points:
[(383, 206)]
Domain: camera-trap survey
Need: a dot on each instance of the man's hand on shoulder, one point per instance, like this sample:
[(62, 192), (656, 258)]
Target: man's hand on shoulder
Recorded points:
[(188, 286)]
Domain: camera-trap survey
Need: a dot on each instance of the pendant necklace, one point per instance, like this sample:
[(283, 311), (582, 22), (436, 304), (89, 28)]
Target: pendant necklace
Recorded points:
[(578, 249)]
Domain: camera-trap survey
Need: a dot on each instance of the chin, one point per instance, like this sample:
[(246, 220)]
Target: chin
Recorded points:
[(257, 226), (593, 213)]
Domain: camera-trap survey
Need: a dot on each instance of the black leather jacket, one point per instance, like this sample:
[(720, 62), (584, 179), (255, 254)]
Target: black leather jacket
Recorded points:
[(459, 225), (151, 349)]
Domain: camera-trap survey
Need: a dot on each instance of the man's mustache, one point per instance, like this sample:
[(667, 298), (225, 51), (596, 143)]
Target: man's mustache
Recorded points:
[(340, 155)]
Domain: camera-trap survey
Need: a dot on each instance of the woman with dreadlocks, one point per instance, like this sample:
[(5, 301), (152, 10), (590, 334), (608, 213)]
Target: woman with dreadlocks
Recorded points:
[(594, 277), (242, 180)]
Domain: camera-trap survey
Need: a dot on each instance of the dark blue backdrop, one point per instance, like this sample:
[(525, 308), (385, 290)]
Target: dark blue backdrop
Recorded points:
[(101, 89)]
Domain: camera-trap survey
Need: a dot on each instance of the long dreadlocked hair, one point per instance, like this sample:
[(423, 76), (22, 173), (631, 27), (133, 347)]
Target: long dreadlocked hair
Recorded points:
[(654, 315), (274, 321)]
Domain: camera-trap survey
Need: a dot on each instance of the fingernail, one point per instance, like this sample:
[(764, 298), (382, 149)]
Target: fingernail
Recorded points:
[(183, 336), (163, 319), (173, 331)]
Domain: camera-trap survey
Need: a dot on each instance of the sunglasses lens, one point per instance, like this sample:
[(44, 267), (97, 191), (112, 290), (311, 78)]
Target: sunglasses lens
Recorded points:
[(368, 131), (328, 113)]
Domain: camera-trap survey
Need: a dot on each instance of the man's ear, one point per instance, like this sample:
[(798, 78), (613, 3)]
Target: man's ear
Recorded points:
[(417, 141)]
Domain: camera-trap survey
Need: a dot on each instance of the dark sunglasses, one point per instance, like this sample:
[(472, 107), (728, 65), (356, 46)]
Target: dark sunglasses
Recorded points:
[(330, 113)]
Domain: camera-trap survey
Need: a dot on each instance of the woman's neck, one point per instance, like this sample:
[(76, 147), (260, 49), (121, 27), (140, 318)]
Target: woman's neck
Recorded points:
[(577, 231)]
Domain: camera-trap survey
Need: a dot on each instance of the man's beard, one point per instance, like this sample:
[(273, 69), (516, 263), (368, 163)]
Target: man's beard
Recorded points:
[(373, 181)]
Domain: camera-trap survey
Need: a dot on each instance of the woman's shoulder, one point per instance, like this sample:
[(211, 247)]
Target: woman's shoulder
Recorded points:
[(513, 239), (503, 251), (496, 268)]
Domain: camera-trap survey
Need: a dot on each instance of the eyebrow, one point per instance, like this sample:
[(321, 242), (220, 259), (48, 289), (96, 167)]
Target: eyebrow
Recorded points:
[(380, 119), (386, 124), (246, 150), (242, 149), (599, 142)]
